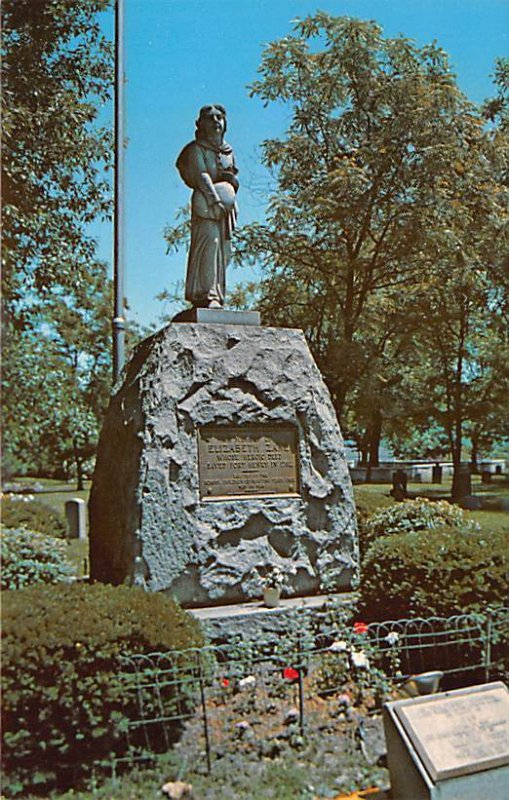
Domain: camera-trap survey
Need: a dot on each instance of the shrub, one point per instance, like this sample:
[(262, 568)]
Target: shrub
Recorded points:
[(29, 557), (441, 571), (416, 515), (367, 502), (23, 510), (66, 701)]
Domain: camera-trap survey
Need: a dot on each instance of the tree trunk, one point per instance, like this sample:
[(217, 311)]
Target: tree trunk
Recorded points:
[(375, 435), (362, 443), (80, 475), (339, 400), (364, 455), (79, 467), (474, 455), (461, 481)]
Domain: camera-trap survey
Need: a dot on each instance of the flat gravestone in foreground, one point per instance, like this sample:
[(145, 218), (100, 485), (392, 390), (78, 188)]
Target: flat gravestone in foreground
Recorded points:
[(453, 745), (219, 456)]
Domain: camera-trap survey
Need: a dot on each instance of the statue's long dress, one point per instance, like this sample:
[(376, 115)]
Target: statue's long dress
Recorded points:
[(201, 166)]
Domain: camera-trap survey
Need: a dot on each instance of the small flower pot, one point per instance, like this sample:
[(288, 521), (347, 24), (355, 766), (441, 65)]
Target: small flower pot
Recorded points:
[(271, 596)]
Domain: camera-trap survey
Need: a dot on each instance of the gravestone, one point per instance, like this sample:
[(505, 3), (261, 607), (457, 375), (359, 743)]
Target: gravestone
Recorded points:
[(399, 485), (76, 515), (449, 746), (221, 455)]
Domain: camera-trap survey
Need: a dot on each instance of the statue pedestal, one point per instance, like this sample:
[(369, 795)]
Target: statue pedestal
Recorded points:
[(220, 456), (218, 316)]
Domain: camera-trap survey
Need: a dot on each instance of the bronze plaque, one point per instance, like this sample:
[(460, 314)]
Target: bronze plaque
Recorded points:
[(459, 732), (248, 461)]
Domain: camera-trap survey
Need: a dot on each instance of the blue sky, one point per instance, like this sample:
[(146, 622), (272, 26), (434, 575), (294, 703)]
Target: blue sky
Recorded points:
[(182, 54)]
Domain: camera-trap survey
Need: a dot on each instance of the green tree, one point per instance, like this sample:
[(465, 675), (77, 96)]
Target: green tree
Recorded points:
[(496, 109), (385, 172), (465, 341), (56, 384), (488, 404), (374, 122), (57, 72), (386, 176), (465, 301)]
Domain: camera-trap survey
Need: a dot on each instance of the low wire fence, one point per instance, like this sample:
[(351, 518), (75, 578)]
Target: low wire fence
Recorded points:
[(219, 694)]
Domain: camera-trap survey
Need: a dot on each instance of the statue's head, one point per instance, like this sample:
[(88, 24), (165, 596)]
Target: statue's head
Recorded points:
[(211, 122)]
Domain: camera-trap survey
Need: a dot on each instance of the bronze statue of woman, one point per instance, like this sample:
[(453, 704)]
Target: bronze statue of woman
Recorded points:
[(207, 166)]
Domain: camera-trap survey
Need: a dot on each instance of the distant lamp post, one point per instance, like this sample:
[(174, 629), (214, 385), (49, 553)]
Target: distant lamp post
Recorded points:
[(118, 321)]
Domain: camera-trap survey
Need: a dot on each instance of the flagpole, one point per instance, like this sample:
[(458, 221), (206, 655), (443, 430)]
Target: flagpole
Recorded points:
[(118, 321)]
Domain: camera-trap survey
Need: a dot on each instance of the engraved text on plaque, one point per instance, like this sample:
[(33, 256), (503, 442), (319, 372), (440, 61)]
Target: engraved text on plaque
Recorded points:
[(248, 461), (459, 732)]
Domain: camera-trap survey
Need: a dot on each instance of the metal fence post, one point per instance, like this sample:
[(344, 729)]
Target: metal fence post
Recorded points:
[(204, 712), (301, 691), (487, 648), (301, 703)]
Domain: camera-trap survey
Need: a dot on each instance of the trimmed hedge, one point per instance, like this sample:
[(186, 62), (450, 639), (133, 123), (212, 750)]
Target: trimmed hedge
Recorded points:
[(412, 515), (368, 502), (23, 511), (65, 705), (416, 515), (441, 571), (29, 557)]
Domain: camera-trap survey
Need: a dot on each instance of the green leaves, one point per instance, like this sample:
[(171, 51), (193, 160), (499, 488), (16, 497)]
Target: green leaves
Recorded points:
[(29, 557), (386, 172), (57, 73), (67, 696), (27, 512), (427, 559), (57, 379)]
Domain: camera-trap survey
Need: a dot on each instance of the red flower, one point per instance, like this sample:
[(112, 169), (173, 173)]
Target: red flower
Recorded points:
[(225, 682), (290, 674), (360, 627)]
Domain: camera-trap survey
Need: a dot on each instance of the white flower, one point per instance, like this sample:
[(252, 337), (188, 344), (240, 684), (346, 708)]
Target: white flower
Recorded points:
[(274, 578), (392, 638), (247, 683), (360, 659), (27, 498), (338, 646)]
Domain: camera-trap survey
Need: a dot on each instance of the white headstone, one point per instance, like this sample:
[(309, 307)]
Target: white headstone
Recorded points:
[(75, 512)]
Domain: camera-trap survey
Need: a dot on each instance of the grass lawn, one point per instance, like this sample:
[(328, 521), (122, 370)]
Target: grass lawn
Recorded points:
[(77, 554), (56, 493), (499, 486), (370, 496)]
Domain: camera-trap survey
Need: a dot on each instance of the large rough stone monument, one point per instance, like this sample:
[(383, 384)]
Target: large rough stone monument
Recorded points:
[(221, 455)]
